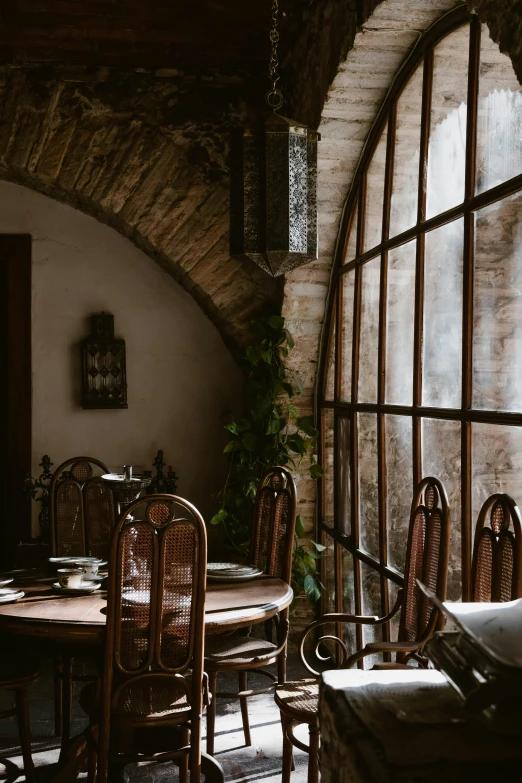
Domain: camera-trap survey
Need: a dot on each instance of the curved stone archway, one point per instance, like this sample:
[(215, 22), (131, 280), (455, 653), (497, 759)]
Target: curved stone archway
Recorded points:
[(112, 145)]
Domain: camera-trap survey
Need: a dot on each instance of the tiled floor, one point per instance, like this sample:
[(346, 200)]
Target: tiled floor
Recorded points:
[(261, 762)]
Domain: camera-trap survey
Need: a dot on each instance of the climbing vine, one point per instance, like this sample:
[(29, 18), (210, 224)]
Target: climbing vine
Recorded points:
[(270, 433)]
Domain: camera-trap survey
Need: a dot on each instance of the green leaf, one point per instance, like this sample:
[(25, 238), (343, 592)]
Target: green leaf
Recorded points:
[(267, 356), (289, 339), (232, 427), (299, 526), (231, 446), (311, 589), (297, 443), (273, 427), (289, 389), (298, 384), (319, 547), (250, 441), (218, 518), (243, 425), (292, 412), (306, 424), (251, 355), (316, 471), (276, 322)]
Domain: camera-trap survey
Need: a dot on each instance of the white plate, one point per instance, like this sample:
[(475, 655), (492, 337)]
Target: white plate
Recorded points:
[(8, 594), (5, 580), (77, 559), (85, 587), (232, 568)]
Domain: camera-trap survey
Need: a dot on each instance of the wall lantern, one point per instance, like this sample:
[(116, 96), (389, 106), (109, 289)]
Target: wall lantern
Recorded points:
[(273, 186), (104, 373)]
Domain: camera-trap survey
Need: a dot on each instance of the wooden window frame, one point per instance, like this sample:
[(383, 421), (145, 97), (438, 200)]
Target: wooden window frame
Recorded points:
[(465, 414)]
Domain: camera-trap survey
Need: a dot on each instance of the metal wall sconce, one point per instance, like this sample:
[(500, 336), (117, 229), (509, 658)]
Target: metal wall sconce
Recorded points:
[(104, 374)]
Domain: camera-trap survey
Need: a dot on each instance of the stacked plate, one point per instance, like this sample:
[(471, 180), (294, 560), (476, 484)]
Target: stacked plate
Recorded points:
[(86, 588), (232, 572), (9, 594)]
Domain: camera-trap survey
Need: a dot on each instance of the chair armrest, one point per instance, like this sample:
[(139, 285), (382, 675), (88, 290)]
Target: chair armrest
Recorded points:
[(339, 617)]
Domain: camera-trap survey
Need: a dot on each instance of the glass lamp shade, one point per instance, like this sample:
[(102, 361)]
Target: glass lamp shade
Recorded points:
[(273, 195)]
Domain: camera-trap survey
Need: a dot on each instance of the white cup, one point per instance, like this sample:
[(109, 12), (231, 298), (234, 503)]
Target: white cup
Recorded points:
[(70, 577)]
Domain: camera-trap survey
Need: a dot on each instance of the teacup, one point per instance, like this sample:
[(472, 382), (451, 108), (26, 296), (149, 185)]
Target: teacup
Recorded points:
[(70, 577), (90, 566)]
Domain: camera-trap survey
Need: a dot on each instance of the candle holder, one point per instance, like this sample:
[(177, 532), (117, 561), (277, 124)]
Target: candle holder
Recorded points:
[(125, 490), (38, 490), (161, 483)]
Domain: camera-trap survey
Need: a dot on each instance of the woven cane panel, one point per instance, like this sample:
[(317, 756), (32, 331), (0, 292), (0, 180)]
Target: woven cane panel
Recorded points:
[(483, 567), (302, 695), (136, 553), (175, 621), (504, 566), (430, 571), (279, 531), (69, 523), (81, 472), (416, 558), (159, 513), (99, 517), (263, 524), (497, 518), (431, 497), (153, 695)]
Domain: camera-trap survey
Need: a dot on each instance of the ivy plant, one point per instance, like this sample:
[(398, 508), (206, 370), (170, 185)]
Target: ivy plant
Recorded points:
[(270, 433)]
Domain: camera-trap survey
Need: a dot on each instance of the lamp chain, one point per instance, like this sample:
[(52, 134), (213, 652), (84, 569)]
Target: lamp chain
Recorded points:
[(274, 96)]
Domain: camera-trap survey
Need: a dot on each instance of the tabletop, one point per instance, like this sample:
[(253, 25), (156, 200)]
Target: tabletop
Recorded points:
[(44, 613)]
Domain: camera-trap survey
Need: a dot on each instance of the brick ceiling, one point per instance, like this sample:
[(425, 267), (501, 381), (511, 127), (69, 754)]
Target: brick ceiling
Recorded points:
[(231, 35)]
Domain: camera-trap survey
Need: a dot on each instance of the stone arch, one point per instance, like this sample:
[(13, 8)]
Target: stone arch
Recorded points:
[(109, 144)]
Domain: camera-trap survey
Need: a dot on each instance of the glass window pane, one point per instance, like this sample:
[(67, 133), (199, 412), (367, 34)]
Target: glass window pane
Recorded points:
[(393, 589), (369, 337), (347, 281), (405, 184), (368, 484), (499, 118), (400, 312), (371, 604), (375, 195), (344, 487), (348, 602), (328, 575), (328, 467), (329, 373), (441, 458), (442, 335), (351, 247), (447, 144), (496, 454), (497, 337), (399, 486)]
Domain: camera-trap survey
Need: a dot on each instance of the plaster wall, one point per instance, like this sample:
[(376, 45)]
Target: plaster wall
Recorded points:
[(180, 375)]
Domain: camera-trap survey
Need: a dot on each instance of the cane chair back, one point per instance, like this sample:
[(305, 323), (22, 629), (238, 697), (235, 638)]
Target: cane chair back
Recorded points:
[(81, 509), (496, 572), (272, 538), (427, 557), (155, 619)]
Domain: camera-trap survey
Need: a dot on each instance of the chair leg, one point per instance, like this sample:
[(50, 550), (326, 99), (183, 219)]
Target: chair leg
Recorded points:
[(313, 761), (66, 703), (58, 696), (184, 763), (211, 712), (24, 728), (288, 755), (243, 685), (92, 757), (281, 667)]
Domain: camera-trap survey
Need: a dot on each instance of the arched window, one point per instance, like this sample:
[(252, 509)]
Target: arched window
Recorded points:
[(422, 369)]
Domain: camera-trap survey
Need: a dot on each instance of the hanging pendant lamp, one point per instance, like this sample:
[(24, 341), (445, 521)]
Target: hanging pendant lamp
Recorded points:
[(273, 186)]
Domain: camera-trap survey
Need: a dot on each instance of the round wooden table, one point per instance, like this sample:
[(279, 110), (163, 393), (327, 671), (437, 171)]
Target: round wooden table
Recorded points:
[(78, 620)]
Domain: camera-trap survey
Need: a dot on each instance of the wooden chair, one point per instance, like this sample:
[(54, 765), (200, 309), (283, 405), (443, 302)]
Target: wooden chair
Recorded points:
[(271, 546), (81, 509), (427, 557), (16, 675), (496, 571), (153, 676), (81, 521)]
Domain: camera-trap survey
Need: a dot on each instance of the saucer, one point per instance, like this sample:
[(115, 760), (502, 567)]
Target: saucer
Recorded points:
[(85, 588), (5, 580), (9, 594)]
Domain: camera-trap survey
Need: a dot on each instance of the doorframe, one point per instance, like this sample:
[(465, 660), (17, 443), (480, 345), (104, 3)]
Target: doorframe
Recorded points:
[(15, 392)]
